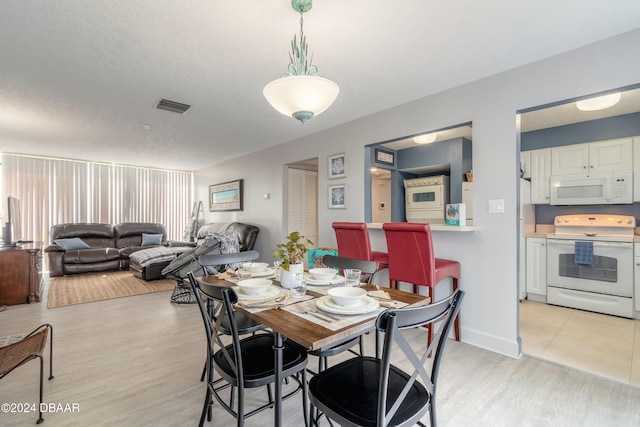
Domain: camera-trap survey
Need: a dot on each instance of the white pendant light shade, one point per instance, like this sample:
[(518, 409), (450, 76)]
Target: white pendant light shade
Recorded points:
[(599, 103), (301, 97)]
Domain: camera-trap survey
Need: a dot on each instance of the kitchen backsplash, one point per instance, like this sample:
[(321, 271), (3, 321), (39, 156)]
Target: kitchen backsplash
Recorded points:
[(545, 214)]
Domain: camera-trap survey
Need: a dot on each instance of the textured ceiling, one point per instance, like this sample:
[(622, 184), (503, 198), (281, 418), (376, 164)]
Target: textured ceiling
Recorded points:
[(80, 78)]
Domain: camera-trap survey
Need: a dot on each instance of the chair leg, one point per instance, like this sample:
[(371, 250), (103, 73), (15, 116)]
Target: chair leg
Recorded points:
[(456, 322), (431, 293), (50, 352), (206, 409), (40, 419), (305, 400)]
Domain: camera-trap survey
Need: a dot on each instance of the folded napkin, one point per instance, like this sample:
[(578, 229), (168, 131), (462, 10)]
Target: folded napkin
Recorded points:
[(383, 299), (267, 303)]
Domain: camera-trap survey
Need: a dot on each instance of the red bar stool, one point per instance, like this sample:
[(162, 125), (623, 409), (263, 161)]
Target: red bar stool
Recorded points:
[(412, 260), (353, 242)]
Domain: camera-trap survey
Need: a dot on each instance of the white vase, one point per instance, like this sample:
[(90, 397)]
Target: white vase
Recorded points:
[(288, 279)]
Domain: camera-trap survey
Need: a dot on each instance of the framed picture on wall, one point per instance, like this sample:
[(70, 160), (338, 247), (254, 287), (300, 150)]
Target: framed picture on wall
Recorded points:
[(226, 196), (338, 196), (337, 166)]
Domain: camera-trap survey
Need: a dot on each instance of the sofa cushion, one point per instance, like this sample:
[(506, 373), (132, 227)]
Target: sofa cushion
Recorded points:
[(130, 233), (94, 235), (72, 243), (151, 239), (90, 256)]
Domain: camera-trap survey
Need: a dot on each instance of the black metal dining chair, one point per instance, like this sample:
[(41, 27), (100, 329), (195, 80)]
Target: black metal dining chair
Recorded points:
[(245, 363), (246, 325), (368, 268), (367, 391)]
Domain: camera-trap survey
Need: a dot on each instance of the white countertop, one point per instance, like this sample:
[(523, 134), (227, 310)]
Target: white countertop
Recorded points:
[(434, 227)]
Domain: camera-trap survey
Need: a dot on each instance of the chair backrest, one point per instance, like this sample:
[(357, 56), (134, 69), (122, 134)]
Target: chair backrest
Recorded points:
[(222, 297), (353, 240), (226, 259), (411, 255), (393, 322), (367, 267)]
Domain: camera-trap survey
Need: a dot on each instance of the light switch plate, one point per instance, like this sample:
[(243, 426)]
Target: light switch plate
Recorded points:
[(496, 206)]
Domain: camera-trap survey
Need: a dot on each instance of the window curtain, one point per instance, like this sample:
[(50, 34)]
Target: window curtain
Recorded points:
[(57, 191)]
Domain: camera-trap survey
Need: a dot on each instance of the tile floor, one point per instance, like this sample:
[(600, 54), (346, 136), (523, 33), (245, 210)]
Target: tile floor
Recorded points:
[(604, 345)]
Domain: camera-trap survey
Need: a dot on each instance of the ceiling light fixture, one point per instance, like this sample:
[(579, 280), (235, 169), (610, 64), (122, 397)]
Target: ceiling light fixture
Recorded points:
[(599, 102), (301, 93), (427, 138)]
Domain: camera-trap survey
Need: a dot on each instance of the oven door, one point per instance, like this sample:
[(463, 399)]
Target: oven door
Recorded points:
[(611, 271), (425, 197)]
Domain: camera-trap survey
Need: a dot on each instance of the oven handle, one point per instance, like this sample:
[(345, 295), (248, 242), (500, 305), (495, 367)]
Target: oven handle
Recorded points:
[(628, 245)]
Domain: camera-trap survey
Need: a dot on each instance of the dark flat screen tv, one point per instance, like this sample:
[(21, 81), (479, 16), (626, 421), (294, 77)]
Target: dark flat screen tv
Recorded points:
[(11, 234)]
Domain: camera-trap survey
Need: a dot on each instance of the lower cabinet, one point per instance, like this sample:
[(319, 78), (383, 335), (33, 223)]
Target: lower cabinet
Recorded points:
[(537, 268)]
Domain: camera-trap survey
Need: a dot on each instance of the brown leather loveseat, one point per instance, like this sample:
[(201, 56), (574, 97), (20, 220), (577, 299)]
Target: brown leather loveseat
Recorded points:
[(88, 247)]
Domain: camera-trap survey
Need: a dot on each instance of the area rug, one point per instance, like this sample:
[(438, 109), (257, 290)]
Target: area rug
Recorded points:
[(83, 288)]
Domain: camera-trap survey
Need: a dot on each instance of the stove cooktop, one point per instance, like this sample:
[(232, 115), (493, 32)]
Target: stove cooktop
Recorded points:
[(595, 225)]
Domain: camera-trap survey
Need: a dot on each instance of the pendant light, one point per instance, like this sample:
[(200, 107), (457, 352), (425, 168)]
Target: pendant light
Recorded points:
[(301, 93)]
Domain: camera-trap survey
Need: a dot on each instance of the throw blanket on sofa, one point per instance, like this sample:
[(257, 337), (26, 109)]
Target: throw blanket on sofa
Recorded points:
[(215, 243), (159, 254)]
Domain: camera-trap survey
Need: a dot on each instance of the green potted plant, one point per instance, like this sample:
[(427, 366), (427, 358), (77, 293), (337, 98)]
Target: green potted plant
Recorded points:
[(292, 254)]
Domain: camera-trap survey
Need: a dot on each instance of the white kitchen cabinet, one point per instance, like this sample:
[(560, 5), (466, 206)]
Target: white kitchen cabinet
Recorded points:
[(540, 173), (537, 268), (525, 164), (610, 155), (636, 169)]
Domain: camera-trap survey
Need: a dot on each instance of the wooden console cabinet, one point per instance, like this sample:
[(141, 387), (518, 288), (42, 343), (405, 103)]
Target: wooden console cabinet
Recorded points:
[(21, 274)]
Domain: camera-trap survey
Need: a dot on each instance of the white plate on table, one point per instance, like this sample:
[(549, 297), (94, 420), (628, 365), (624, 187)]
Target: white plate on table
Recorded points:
[(270, 292), (314, 282), (366, 305), (269, 271)]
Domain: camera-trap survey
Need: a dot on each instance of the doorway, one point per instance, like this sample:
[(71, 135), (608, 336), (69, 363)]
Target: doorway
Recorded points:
[(302, 198), (601, 344)]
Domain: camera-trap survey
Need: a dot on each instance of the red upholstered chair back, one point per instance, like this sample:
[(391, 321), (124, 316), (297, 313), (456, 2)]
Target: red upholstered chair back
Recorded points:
[(411, 256), (353, 240)]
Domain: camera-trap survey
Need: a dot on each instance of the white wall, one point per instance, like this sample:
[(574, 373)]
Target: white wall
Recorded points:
[(489, 316)]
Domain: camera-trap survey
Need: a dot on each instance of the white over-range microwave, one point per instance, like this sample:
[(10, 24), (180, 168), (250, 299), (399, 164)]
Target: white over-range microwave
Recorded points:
[(596, 188)]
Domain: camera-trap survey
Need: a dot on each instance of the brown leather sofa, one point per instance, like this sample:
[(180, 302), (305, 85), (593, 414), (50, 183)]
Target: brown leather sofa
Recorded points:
[(106, 247)]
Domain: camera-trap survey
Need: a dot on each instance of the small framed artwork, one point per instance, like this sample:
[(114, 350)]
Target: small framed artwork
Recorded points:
[(386, 157), (337, 166), (226, 196), (338, 196)]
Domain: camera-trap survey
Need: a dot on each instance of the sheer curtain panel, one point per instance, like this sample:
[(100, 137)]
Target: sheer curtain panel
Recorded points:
[(57, 191)]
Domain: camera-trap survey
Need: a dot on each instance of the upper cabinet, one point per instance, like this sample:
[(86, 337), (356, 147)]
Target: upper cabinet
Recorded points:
[(525, 164), (540, 172), (611, 155)]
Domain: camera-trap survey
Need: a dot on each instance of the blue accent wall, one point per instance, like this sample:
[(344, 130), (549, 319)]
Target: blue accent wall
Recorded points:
[(577, 133), (454, 155), (595, 130)]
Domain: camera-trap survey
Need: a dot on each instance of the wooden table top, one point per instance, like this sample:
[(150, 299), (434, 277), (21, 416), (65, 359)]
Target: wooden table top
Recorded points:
[(309, 334)]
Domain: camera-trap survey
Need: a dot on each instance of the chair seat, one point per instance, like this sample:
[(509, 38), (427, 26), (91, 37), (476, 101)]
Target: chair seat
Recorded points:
[(258, 361), (348, 393), (245, 325), (447, 268)]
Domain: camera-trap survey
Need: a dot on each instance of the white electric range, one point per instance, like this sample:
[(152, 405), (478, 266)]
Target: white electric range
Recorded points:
[(590, 263)]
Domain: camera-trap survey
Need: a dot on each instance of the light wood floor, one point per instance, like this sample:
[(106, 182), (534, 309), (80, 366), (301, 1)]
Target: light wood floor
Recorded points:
[(598, 343), (137, 361)]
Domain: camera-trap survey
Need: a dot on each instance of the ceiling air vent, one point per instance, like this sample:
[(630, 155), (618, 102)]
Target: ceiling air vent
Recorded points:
[(176, 107)]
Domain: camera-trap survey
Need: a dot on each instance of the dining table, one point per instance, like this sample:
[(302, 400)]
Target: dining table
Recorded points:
[(298, 320)]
